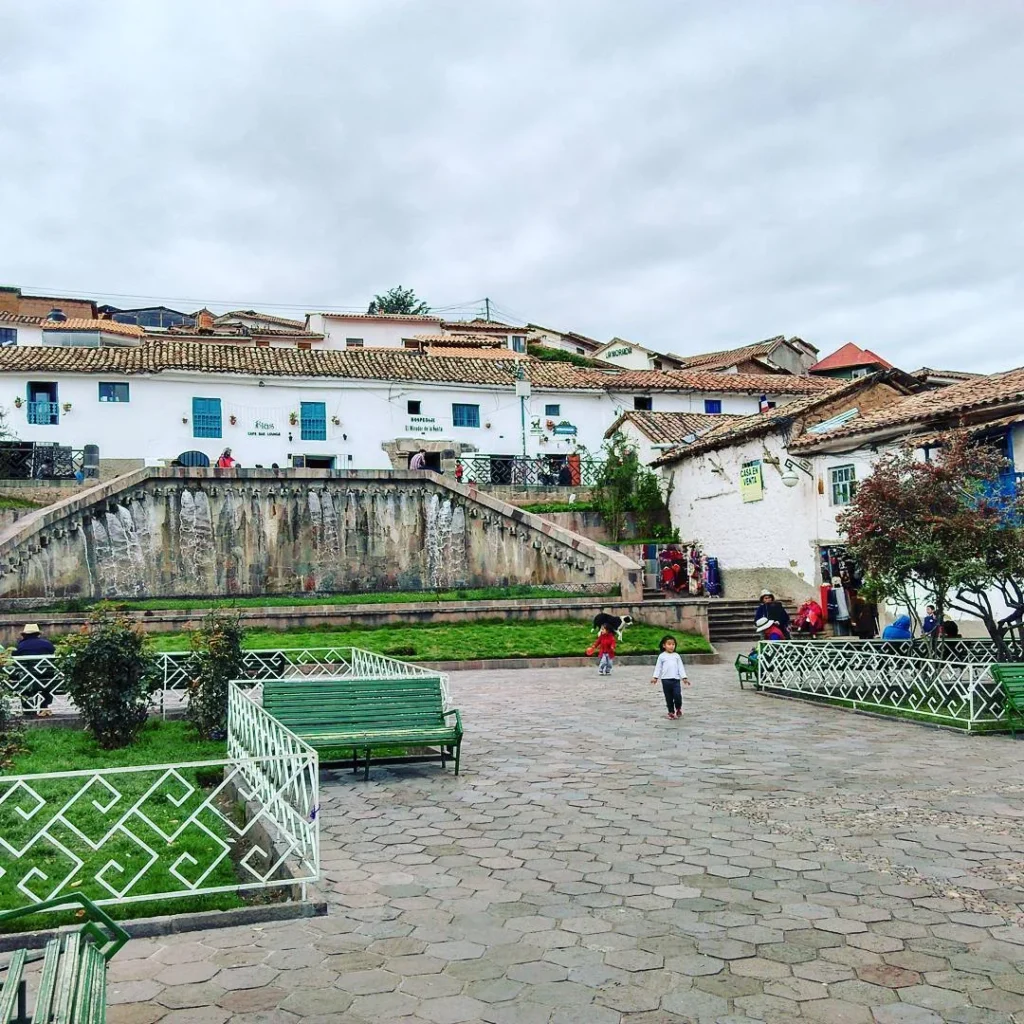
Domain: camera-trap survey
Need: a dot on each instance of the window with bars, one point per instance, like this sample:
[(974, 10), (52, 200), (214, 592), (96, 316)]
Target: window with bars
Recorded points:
[(465, 415), (713, 406), (552, 410), (313, 421), (844, 484), (206, 418)]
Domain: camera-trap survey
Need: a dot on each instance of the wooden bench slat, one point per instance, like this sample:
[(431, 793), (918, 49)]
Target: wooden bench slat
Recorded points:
[(67, 978), (12, 982), (47, 983), (90, 1006)]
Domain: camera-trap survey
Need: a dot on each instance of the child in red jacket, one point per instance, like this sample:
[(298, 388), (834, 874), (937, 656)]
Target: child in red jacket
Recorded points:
[(604, 645)]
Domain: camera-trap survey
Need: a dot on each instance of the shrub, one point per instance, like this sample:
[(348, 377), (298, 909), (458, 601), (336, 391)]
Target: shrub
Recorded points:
[(216, 660), (110, 671)]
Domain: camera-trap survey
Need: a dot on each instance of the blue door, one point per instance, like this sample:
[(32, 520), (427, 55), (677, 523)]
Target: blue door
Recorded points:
[(206, 420)]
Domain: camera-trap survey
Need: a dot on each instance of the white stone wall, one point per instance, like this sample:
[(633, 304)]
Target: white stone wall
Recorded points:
[(156, 424), (28, 334), (376, 333)]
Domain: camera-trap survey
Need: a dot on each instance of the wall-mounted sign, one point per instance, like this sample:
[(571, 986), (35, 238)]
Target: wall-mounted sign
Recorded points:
[(536, 428), (751, 481), (423, 425), (263, 428), (565, 428), (624, 351)]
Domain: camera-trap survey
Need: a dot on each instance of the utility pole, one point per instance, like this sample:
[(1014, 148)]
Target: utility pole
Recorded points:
[(487, 306)]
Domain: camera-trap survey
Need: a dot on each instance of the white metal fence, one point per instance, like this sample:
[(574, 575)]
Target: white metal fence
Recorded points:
[(37, 683), (876, 676), (157, 832)]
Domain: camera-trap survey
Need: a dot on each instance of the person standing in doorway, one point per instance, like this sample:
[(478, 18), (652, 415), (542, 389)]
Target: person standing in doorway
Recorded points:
[(672, 673), (419, 460)]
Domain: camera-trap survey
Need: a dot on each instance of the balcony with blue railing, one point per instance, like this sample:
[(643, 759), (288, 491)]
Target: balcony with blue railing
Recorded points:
[(43, 413)]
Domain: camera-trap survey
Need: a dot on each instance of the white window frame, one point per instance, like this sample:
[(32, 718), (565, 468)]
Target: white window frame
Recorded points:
[(842, 487)]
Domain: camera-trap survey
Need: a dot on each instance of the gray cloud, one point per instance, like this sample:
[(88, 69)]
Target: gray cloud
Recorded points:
[(688, 176)]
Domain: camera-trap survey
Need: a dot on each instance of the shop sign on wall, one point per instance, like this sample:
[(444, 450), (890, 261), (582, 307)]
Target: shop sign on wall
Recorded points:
[(565, 428), (751, 481), (423, 425), (624, 351), (263, 428)]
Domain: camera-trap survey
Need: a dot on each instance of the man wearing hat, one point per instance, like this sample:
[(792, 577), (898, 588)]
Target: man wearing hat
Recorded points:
[(770, 609), (39, 696)]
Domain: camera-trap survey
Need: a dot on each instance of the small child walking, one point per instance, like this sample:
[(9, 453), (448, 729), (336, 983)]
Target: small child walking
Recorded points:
[(604, 646), (672, 673)]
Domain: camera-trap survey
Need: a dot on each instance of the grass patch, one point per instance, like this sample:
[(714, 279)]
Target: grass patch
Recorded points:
[(9, 502), (560, 506), (461, 642), (293, 600), (60, 749)]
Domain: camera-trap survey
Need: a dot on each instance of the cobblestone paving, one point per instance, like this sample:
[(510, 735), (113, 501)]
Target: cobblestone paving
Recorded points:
[(760, 860)]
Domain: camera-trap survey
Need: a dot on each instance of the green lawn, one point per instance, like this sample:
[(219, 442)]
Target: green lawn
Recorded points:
[(8, 501), (468, 642), (286, 600), (60, 749)]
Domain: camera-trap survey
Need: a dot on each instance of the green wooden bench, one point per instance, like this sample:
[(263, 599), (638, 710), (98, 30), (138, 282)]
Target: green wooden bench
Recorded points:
[(73, 980), (1011, 678), (363, 715), (746, 669)]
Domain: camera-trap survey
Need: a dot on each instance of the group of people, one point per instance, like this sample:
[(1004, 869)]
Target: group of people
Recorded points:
[(669, 669), (901, 628)]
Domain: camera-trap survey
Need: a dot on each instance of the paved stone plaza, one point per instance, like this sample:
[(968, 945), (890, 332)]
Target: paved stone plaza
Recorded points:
[(595, 863)]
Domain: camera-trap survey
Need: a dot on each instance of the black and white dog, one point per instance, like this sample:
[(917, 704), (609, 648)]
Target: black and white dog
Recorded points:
[(613, 623)]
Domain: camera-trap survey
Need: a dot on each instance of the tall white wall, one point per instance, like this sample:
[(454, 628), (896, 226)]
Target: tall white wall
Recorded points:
[(150, 426), (28, 334), (376, 333)]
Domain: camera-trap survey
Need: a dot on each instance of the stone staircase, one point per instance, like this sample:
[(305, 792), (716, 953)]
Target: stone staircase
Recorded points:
[(731, 622)]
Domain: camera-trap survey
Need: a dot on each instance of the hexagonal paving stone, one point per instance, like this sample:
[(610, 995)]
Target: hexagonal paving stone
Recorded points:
[(455, 950), (633, 960), (366, 983), (452, 1009)]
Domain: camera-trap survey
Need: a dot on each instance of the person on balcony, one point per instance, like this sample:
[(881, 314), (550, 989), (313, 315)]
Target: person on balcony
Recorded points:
[(226, 460), (38, 697)]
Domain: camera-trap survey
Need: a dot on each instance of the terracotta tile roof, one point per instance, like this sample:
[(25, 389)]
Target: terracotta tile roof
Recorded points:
[(476, 353), (107, 326), (583, 339), (744, 427), (273, 332), (480, 324), (710, 380), (251, 314), (952, 406), (462, 340), (928, 371), (849, 356), (731, 356), (671, 427), (170, 352), (19, 318), (421, 318)]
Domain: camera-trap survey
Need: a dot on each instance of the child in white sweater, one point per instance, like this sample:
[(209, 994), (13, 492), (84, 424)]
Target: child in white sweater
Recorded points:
[(672, 673)]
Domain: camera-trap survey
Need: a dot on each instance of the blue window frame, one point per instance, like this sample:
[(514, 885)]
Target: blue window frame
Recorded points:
[(465, 415), (206, 419), (313, 421), (8, 336), (113, 391), (43, 406), (713, 406), (552, 410)]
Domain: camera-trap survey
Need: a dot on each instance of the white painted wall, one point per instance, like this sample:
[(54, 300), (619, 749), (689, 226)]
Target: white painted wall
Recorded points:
[(375, 332), (629, 357), (150, 426), (28, 334)]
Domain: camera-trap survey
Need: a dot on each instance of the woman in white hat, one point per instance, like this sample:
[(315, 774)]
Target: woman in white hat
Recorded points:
[(769, 629), (769, 608)]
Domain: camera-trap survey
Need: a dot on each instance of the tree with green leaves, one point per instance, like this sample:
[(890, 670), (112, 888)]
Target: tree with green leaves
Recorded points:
[(399, 300), (626, 486), (946, 532), (217, 658)]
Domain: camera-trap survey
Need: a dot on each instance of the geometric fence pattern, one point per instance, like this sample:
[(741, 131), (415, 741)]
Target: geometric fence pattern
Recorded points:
[(152, 832), (33, 681), (882, 677)]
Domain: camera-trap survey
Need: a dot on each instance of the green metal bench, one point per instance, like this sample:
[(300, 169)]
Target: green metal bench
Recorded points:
[(363, 715), (73, 980), (1011, 678), (746, 669)]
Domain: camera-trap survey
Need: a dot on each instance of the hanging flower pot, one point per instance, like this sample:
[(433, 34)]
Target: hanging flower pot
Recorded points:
[(19, 402), (336, 421), (184, 419), (293, 418), (66, 407), (233, 419)]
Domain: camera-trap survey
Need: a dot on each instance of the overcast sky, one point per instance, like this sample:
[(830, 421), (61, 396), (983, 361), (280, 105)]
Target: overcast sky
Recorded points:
[(687, 176)]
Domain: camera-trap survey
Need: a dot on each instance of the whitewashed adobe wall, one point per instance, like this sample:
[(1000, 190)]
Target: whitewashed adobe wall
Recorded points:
[(150, 426), (773, 542), (28, 334), (375, 333)]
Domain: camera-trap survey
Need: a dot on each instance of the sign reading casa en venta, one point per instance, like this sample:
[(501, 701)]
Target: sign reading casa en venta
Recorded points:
[(423, 425), (263, 428), (751, 481)]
